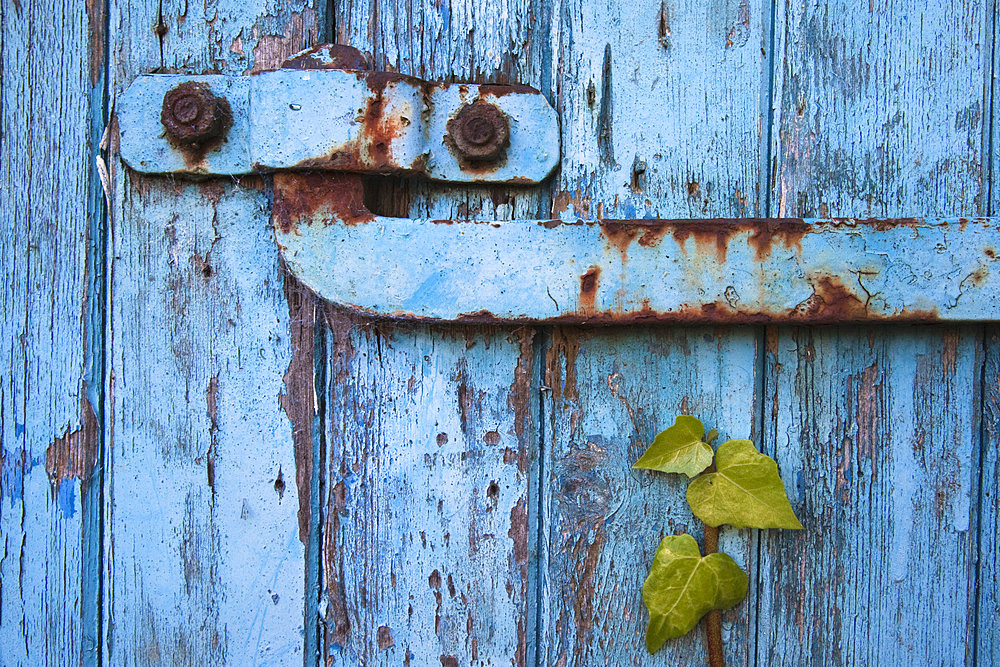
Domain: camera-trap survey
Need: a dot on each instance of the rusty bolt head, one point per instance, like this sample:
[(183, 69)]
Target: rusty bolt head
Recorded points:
[(192, 114), (479, 131)]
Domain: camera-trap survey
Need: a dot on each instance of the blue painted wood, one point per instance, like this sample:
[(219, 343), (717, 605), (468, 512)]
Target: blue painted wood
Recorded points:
[(209, 462), (987, 649), (429, 519), (51, 106), (427, 530), (879, 110), (987, 588), (662, 116), (217, 454), (876, 434)]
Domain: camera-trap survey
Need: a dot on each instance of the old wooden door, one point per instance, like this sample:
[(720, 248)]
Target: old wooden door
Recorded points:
[(202, 464)]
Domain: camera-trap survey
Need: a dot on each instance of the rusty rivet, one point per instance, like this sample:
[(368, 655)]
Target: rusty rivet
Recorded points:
[(479, 131), (192, 114)]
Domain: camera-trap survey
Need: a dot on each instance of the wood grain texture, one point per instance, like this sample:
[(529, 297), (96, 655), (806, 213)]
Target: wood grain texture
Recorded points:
[(210, 456), (988, 569), (988, 580), (876, 435), (427, 535), (430, 522), (661, 116), (51, 101), (879, 110)]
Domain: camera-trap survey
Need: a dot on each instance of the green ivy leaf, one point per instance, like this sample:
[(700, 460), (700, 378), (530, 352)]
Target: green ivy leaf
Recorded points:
[(680, 448), (683, 586), (744, 491)]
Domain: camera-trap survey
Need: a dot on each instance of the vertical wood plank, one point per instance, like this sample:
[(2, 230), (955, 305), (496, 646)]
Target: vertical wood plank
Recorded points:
[(988, 569), (51, 108), (428, 532), (208, 470), (426, 542), (876, 434), (988, 580), (661, 108), (879, 111)]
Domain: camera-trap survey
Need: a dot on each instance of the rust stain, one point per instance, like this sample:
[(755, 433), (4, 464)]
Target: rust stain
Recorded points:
[(380, 127), (765, 232), (704, 235), (831, 301), (587, 557), (298, 397), (337, 623), (212, 408), (506, 89), (385, 639), (95, 23), (589, 283), (519, 396), (74, 455), (581, 203), (620, 234), (300, 197)]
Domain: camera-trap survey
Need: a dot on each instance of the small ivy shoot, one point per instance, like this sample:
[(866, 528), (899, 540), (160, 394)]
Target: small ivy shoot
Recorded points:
[(741, 489)]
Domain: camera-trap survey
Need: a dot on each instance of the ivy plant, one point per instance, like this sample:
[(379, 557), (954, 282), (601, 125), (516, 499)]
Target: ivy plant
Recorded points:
[(734, 485)]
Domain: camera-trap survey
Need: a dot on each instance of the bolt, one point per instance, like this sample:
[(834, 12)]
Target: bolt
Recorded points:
[(192, 114), (479, 131)]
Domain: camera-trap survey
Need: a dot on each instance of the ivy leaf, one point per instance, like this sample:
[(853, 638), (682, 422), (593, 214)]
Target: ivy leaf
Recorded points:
[(683, 586), (680, 448), (744, 491)]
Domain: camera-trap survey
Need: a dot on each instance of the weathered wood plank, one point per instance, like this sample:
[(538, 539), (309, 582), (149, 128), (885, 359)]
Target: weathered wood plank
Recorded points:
[(209, 468), (876, 433), (988, 580), (51, 107), (661, 116), (426, 538), (428, 531), (879, 111), (988, 568)]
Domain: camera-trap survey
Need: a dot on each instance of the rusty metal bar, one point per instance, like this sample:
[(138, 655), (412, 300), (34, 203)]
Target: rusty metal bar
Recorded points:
[(623, 271)]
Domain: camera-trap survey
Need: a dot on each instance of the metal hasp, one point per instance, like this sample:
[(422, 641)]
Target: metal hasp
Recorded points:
[(323, 120), (336, 119), (620, 271)]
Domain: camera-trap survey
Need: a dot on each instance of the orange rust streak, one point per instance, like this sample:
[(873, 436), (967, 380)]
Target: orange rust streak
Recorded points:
[(298, 197), (589, 282)]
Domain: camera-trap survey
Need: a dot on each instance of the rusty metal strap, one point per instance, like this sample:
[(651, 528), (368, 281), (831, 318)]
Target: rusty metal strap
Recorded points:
[(603, 272), (334, 119)]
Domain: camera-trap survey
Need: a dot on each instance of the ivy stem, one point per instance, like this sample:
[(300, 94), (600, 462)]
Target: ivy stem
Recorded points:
[(713, 620)]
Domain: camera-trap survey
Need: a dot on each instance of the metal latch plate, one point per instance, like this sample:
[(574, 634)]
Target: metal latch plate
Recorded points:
[(344, 120)]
